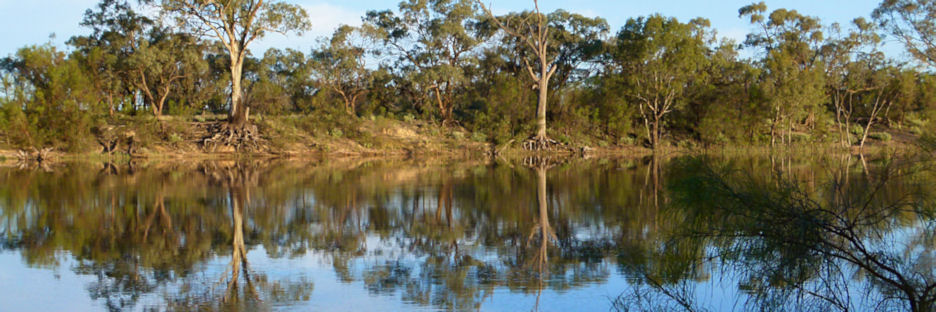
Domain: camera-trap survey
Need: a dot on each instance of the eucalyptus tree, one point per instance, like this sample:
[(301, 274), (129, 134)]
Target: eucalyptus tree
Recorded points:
[(434, 43), (793, 78), (726, 108), (55, 103), (130, 54), (237, 24), (117, 30), (281, 82), (340, 65), (101, 68), (659, 59), (533, 30), (911, 22), (881, 87), (161, 60), (851, 62), (579, 41), (204, 84), (838, 54)]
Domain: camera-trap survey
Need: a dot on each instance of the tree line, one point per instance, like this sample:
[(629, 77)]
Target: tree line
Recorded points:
[(655, 81)]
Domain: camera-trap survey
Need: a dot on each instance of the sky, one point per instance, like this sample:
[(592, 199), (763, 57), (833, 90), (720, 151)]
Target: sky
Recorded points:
[(29, 22)]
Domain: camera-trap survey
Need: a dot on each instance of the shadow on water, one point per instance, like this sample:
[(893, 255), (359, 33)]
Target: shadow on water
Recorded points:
[(809, 233)]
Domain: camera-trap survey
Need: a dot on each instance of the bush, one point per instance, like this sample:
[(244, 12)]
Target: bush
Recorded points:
[(564, 139), (332, 122), (58, 108), (880, 136), (914, 120), (857, 129), (175, 138), (800, 137), (478, 137)]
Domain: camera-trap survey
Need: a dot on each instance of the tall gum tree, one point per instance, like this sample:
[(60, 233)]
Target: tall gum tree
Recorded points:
[(236, 24), (116, 33), (579, 40), (340, 65), (793, 77), (911, 23), (532, 28), (161, 60), (434, 41), (660, 59), (852, 65)]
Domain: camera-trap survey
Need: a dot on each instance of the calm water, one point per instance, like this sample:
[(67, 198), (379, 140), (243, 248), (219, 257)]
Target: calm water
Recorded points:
[(693, 233)]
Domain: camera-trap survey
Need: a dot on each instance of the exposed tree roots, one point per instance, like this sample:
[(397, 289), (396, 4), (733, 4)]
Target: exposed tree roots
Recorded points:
[(544, 161), (37, 155), (244, 138), (111, 145), (541, 143), (38, 158)]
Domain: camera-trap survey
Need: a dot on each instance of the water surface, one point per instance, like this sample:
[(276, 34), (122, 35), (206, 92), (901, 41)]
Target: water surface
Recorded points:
[(690, 233)]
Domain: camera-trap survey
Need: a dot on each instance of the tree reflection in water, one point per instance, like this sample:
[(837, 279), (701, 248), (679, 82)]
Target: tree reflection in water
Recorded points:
[(244, 289), (787, 232), (854, 242)]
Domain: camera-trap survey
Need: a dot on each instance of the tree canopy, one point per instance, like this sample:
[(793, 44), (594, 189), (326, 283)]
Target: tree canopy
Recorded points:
[(656, 82)]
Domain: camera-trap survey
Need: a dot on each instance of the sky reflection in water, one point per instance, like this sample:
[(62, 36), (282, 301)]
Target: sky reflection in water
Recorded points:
[(377, 235)]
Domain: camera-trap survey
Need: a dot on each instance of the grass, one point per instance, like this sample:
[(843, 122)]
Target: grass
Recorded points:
[(340, 133), (880, 136)]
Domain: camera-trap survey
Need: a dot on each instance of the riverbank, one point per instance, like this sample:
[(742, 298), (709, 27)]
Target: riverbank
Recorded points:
[(298, 137)]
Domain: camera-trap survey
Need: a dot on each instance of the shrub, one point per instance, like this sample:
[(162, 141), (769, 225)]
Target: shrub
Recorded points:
[(628, 140), (800, 137), (175, 138), (58, 108), (880, 136), (478, 137), (856, 129), (914, 120), (564, 139)]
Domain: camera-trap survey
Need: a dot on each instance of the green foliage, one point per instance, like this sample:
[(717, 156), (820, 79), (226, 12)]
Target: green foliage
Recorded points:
[(331, 122), (915, 120), (912, 22), (657, 79), (433, 42), (54, 103), (660, 60), (800, 137), (175, 138), (479, 137), (857, 130), (340, 65), (880, 136), (236, 24)]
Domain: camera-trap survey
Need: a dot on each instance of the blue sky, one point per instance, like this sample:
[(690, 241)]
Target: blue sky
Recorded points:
[(26, 22)]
